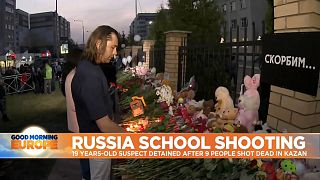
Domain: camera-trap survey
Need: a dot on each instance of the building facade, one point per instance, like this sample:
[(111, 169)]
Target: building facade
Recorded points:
[(242, 13), (45, 34), (21, 31), (141, 24), (64, 29), (7, 26)]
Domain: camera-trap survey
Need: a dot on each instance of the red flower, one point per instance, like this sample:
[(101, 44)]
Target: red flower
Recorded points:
[(161, 118)]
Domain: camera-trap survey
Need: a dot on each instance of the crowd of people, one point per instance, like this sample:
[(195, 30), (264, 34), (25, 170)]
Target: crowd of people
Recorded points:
[(85, 80), (40, 78)]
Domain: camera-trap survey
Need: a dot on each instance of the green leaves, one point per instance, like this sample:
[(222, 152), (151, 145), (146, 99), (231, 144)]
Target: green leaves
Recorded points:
[(202, 18)]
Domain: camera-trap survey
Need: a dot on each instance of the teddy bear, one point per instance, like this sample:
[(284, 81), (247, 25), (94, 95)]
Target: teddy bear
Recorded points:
[(168, 83), (160, 76), (190, 95), (221, 121), (208, 107), (191, 109), (214, 122), (229, 115), (240, 129), (249, 103), (224, 101)]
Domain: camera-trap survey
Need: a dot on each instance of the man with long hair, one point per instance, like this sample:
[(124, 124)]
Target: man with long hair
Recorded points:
[(90, 93)]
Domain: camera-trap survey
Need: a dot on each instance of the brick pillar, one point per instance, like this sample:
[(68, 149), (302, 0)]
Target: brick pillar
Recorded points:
[(174, 40), (288, 109), (147, 44)]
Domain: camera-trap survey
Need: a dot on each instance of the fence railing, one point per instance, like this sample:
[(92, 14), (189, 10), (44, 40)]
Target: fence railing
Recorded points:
[(18, 83), (157, 58), (225, 64)]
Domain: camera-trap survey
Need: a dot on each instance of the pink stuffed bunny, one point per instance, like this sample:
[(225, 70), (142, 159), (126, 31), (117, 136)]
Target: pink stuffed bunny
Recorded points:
[(252, 85), (249, 103)]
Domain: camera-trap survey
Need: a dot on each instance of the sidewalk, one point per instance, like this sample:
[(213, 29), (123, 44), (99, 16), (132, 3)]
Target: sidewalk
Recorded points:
[(66, 169)]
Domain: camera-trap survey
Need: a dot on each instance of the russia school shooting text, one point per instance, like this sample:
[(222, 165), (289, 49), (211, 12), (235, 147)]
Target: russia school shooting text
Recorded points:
[(193, 146)]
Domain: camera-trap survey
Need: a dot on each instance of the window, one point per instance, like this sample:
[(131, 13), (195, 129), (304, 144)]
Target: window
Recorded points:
[(244, 22), (243, 4), (10, 2), (224, 8), (233, 5), (233, 23), (9, 9)]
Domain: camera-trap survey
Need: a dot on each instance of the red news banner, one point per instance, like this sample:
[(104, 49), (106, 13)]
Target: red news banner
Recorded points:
[(182, 145)]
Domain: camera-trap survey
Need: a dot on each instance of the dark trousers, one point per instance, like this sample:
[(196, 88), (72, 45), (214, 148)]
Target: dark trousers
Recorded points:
[(85, 169)]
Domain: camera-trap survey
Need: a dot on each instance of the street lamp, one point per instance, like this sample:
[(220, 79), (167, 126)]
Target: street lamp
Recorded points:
[(79, 20)]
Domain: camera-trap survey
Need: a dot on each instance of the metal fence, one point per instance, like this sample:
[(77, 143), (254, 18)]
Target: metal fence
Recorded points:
[(18, 83), (225, 64), (157, 58)]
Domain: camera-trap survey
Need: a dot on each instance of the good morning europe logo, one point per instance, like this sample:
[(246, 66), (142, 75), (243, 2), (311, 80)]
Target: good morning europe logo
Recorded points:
[(34, 141)]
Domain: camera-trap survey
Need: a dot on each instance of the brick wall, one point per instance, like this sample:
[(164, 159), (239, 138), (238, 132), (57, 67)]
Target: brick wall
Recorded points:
[(147, 44), (290, 110), (174, 40)]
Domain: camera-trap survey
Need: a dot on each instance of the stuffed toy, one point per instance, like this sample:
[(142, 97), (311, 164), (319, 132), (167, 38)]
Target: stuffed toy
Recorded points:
[(199, 120), (287, 170), (167, 82), (182, 94), (240, 129), (314, 165), (229, 128), (160, 76), (208, 107), (300, 166), (249, 103), (192, 84), (229, 115), (252, 85), (221, 121), (191, 110), (224, 101), (190, 95), (212, 123)]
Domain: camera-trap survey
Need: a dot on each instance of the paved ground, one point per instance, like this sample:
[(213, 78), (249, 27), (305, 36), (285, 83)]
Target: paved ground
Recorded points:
[(66, 169)]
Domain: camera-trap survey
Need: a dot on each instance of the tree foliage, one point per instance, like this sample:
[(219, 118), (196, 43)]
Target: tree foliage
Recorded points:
[(269, 17), (201, 17), (72, 44)]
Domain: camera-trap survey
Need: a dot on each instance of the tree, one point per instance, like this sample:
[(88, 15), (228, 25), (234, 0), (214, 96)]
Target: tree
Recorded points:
[(201, 17), (72, 44), (161, 24), (269, 17)]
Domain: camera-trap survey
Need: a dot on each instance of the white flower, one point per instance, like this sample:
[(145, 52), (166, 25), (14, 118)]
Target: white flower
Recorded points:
[(165, 94)]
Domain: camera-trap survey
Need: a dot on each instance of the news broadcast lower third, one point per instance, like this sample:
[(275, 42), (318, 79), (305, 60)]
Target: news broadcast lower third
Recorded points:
[(34, 142)]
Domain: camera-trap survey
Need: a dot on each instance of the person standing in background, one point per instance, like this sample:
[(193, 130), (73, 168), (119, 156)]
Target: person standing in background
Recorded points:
[(3, 102), (67, 75), (47, 78)]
